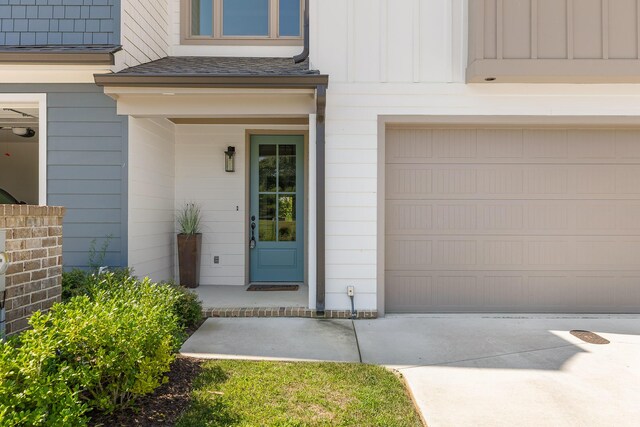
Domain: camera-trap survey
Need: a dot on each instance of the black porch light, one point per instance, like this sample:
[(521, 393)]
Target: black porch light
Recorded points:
[(229, 159)]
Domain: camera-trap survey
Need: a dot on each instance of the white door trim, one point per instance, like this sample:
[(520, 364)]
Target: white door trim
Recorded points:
[(41, 100)]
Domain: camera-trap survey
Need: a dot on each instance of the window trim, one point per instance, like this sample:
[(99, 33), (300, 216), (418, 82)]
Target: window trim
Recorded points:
[(273, 39)]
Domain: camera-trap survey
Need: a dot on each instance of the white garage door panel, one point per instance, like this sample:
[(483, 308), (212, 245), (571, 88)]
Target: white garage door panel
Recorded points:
[(513, 220)]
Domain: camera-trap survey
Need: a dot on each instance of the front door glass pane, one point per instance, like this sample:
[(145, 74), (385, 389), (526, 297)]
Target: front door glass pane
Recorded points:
[(287, 218), (245, 17), (202, 17), (289, 18), (267, 168), (287, 164), (267, 226)]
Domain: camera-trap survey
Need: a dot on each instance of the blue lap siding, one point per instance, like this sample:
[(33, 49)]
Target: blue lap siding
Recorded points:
[(86, 168)]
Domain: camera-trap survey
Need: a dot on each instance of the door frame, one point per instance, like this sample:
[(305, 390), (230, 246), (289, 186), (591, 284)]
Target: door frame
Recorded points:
[(247, 211)]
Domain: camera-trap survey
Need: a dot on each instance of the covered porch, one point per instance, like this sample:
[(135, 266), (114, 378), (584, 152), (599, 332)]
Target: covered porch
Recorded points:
[(184, 114)]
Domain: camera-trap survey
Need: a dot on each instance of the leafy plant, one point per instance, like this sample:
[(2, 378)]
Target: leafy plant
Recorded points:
[(187, 307), (78, 282), (97, 256), (189, 218), (100, 351)]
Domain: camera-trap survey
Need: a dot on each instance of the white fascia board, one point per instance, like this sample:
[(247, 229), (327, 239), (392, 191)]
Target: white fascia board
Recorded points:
[(171, 102), (50, 73)]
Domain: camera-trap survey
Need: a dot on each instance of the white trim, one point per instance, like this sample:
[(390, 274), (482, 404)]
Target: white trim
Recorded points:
[(21, 73), (41, 100)]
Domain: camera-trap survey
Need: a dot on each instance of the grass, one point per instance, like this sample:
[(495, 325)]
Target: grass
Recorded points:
[(243, 393)]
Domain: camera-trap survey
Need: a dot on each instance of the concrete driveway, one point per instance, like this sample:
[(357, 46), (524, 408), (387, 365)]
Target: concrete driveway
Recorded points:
[(483, 371), (466, 370)]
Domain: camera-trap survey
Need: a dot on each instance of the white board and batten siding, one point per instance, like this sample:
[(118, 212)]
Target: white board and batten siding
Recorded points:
[(145, 31)]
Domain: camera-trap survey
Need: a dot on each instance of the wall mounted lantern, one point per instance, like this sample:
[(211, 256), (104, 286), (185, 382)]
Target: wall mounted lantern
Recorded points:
[(229, 159)]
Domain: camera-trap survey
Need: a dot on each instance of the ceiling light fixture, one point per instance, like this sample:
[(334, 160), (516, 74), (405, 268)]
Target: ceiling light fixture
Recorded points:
[(24, 132)]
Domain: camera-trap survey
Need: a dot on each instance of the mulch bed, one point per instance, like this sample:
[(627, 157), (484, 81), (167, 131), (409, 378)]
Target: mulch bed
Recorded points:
[(164, 406)]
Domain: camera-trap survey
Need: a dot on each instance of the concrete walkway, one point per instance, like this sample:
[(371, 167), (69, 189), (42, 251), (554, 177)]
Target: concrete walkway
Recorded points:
[(466, 370)]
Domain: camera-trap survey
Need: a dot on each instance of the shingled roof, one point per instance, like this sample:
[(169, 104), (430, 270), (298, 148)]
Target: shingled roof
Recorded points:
[(199, 65), (60, 54), (198, 71)]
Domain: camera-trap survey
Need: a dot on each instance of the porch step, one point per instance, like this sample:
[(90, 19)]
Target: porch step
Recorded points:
[(285, 312)]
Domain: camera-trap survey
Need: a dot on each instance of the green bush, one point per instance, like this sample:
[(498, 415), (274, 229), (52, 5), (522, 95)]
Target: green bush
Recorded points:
[(79, 282), (187, 307), (97, 352)]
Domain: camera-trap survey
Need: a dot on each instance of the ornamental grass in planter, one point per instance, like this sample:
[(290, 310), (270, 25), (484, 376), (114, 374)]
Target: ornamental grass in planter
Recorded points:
[(189, 245)]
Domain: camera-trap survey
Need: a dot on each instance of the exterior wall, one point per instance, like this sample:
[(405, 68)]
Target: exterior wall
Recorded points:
[(151, 197), (553, 40), (86, 168), (62, 22), (200, 176), (353, 115), (396, 41), (145, 31), (34, 249)]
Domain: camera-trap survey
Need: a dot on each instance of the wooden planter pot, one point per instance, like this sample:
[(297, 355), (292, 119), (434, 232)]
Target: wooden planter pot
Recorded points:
[(189, 249)]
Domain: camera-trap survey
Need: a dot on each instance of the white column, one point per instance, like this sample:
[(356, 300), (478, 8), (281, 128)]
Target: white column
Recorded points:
[(312, 261)]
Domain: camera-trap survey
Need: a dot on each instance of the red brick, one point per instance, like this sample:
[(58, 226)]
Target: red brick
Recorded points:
[(38, 275), (38, 253), (18, 279), (22, 233), (55, 231), (40, 232), (15, 268), (32, 265), (38, 296)]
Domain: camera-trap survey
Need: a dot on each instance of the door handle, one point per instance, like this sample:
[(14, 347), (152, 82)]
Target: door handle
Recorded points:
[(252, 242)]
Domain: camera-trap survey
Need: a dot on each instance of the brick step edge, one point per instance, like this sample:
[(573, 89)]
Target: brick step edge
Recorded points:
[(286, 312)]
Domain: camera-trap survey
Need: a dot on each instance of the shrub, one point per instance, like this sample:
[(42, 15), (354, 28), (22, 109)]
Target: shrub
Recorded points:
[(98, 351), (79, 282), (187, 307), (35, 390)]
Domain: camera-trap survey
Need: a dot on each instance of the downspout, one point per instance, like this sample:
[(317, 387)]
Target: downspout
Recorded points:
[(321, 104), (305, 52)]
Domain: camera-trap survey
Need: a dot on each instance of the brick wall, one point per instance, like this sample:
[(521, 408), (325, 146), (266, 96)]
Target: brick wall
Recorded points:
[(34, 249), (59, 22)]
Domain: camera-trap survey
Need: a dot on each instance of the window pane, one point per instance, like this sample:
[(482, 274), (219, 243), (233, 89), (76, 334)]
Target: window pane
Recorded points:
[(287, 218), (287, 182), (245, 17), (289, 18), (267, 168), (202, 17), (267, 226)]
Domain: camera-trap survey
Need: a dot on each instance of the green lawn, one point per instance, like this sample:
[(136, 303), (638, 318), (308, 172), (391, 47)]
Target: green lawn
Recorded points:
[(241, 393)]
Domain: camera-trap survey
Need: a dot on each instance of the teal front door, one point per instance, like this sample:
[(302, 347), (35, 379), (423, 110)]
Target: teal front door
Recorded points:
[(277, 208)]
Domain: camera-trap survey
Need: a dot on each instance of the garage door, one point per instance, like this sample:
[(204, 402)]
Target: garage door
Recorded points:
[(512, 220)]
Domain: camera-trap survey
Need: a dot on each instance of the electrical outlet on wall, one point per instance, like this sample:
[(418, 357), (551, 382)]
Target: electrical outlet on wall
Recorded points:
[(351, 291), (216, 259)]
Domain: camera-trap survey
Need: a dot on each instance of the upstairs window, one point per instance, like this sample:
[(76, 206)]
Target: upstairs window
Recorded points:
[(242, 22)]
